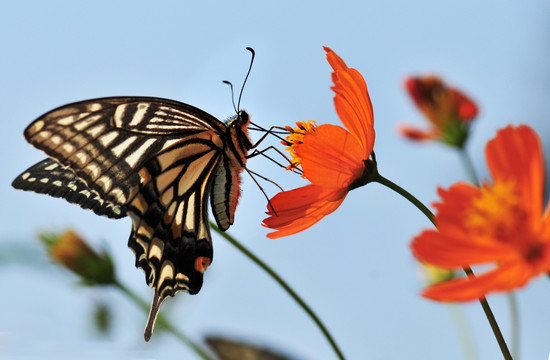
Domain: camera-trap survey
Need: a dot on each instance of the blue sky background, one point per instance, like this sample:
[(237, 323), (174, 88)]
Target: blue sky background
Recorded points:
[(354, 268)]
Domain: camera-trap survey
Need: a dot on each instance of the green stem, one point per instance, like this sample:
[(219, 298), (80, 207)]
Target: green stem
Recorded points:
[(512, 302), (514, 324), (468, 165), (162, 322), (464, 332), (284, 285), (398, 189), (484, 304)]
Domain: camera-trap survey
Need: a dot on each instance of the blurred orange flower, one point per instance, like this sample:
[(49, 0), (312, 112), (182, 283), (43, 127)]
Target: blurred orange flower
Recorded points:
[(69, 250), (449, 110), (502, 223), (333, 159)]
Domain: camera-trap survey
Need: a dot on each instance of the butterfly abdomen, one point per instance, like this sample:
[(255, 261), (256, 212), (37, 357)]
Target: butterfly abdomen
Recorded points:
[(225, 193)]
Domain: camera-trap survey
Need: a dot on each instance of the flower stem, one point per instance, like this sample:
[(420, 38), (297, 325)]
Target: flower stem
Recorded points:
[(382, 180), (511, 298), (468, 165), (483, 301), (514, 324), (162, 322), (464, 331), (285, 286)]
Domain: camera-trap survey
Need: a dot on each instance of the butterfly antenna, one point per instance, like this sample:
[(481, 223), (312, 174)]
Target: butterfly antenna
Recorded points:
[(232, 95), (155, 307), (246, 77)]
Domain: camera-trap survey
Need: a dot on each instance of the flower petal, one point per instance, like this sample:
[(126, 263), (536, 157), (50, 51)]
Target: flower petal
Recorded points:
[(454, 244), (296, 210), (454, 204), (416, 134), (466, 108), (331, 157), (504, 278), (453, 251), (516, 154), (352, 102)]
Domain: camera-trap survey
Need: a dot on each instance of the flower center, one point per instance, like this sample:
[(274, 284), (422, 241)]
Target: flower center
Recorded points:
[(496, 212), (296, 137), (499, 214)]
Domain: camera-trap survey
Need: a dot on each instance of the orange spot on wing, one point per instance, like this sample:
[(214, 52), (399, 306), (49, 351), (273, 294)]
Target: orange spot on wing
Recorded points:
[(202, 263)]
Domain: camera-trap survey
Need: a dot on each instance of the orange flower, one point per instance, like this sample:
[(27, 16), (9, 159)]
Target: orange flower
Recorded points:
[(448, 109), (500, 223), (333, 159)]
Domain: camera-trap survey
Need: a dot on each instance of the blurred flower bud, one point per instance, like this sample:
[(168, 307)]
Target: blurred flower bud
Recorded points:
[(449, 111), (69, 250), (433, 275)]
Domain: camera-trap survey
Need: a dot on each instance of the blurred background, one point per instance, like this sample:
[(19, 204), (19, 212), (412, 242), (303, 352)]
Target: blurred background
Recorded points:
[(354, 268)]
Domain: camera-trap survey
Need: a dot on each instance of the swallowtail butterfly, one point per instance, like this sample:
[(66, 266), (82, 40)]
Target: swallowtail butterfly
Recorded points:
[(156, 160), (231, 349)]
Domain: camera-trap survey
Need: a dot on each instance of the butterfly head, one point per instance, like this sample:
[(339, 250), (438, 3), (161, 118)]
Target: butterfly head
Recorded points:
[(242, 120), (237, 130)]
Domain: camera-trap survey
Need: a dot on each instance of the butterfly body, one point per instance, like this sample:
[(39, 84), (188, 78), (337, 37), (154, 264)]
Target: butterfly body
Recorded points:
[(156, 160)]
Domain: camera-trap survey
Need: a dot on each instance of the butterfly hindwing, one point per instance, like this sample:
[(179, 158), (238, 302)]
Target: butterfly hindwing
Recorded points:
[(51, 178), (170, 216)]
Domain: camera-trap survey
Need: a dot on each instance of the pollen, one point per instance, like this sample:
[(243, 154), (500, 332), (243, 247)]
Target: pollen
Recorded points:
[(497, 212), (296, 137)]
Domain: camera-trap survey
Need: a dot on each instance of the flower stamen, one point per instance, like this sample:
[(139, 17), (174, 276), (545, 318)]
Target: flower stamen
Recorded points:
[(296, 137), (497, 212)]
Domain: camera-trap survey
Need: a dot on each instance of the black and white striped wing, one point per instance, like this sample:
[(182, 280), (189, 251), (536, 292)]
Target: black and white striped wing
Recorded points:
[(106, 141), (51, 178), (153, 157), (170, 216)]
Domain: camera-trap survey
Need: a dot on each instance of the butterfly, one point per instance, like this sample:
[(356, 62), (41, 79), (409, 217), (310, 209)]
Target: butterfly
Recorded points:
[(232, 349), (155, 160)]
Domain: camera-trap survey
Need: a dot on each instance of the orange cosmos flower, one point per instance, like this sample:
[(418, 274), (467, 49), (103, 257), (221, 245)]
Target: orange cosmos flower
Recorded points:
[(333, 159), (502, 223), (448, 109)]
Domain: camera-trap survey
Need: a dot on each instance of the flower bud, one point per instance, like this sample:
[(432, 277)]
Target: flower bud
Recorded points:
[(72, 252), (449, 111)]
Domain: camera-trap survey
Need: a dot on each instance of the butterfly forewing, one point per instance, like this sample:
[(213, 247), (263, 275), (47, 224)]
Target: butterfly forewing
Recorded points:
[(105, 141), (154, 159)]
